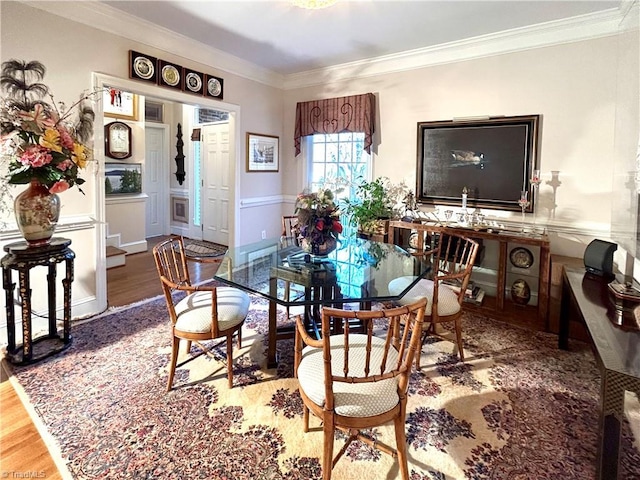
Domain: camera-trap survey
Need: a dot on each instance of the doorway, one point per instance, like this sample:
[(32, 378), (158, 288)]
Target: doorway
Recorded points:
[(147, 90)]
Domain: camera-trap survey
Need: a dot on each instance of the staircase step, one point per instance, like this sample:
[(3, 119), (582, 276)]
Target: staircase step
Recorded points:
[(116, 257), (113, 251)]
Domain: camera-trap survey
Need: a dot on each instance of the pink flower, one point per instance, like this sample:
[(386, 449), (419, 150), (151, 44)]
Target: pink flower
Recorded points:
[(59, 187), (65, 138), (65, 164), (36, 156)]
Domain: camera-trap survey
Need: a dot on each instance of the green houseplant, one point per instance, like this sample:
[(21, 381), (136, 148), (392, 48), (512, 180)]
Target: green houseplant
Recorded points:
[(371, 207)]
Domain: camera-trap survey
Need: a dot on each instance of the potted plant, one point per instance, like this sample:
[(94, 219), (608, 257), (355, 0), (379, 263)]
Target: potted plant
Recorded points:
[(372, 207)]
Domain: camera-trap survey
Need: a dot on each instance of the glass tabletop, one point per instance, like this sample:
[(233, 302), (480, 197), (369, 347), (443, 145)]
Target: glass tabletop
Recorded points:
[(360, 269)]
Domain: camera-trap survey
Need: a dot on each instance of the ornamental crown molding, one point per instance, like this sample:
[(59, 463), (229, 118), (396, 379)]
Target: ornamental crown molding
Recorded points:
[(108, 19), (580, 28)]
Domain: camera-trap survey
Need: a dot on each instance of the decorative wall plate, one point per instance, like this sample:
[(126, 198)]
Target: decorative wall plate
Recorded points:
[(213, 87), (142, 67), (193, 82), (170, 75), (521, 257)]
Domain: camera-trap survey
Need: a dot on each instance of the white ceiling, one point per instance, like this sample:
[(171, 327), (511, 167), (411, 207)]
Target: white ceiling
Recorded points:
[(286, 39)]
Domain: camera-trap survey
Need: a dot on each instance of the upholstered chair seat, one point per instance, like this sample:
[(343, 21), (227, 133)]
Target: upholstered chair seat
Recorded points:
[(447, 298), (194, 311), (351, 399)]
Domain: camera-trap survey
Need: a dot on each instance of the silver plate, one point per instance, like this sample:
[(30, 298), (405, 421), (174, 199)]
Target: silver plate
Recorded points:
[(521, 257), (193, 82), (143, 67), (214, 87), (170, 75)]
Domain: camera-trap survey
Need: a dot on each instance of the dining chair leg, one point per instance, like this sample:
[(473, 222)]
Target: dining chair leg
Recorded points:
[(188, 347), (239, 338), (458, 325), (327, 455), (305, 418), (230, 359), (175, 346), (401, 446)]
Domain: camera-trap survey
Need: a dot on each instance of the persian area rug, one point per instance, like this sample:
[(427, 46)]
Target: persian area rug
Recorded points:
[(199, 248), (519, 408)]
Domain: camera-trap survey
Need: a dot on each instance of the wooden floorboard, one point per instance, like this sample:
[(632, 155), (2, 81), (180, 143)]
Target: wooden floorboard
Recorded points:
[(23, 453)]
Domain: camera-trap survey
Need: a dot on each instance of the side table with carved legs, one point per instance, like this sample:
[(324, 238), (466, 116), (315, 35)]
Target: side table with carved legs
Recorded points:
[(22, 258)]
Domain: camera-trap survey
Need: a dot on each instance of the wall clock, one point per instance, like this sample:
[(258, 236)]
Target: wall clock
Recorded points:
[(117, 137)]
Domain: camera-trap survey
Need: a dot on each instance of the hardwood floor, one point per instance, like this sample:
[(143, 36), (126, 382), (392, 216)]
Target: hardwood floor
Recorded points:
[(22, 450)]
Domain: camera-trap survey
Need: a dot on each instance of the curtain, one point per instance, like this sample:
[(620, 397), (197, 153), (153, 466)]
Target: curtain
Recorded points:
[(355, 113)]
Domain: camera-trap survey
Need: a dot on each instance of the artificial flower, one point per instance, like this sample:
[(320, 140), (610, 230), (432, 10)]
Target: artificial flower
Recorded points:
[(318, 216), (41, 141)]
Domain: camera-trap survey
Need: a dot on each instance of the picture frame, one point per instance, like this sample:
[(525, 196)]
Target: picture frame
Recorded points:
[(262, 153), (120, 104), (143, 67), (179, 209), (491, 157), (214, 87), (122, 178)]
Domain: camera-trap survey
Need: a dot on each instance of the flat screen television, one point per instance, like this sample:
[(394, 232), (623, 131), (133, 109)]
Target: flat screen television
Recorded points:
[(493, 158)]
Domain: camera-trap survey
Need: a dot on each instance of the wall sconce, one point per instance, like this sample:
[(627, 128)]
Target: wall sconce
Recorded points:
[(180, 173)]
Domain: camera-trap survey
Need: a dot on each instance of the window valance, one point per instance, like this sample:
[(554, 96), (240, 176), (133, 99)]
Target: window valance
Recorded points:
[(355, 113)]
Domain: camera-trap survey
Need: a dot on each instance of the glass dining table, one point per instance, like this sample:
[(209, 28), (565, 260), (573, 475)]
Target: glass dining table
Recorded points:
[(357, 272)]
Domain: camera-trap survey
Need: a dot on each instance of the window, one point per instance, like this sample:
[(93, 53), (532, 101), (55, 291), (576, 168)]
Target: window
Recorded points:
[(337, 159)]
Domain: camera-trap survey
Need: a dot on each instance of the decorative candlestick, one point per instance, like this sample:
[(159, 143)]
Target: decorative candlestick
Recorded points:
[(523, 201), (464, 198), (535, 183)]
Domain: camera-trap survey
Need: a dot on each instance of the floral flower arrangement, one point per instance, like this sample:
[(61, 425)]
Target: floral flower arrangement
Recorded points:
[(318, 216), (39, 140)]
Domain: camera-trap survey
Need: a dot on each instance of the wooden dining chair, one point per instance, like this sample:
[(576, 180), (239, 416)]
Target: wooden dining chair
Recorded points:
[(290, 229), (452, 256), (355, 381), (205, 313)]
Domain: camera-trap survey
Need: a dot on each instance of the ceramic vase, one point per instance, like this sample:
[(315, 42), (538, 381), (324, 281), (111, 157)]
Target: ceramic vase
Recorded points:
[(37, 211)]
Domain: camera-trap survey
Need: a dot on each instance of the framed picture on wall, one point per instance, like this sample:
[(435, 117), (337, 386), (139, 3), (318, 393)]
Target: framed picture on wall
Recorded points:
[(262, 153), (491, 158), (122, 178), (117, 103), (179, 209)]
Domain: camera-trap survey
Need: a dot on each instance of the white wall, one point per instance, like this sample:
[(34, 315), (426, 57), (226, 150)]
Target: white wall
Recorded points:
[(571, 86)]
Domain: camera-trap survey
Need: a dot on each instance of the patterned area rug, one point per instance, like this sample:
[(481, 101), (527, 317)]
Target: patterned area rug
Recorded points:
[(198, 248), (519, 408)]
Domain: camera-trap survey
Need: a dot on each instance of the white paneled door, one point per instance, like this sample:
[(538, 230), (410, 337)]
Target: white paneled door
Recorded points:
[(217, 183), (155, 180)]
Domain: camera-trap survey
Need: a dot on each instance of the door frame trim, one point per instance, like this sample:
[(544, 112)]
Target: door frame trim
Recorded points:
[(99, 80)]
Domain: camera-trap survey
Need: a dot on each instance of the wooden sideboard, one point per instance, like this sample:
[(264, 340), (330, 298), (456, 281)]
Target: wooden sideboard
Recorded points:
[(495, 272)]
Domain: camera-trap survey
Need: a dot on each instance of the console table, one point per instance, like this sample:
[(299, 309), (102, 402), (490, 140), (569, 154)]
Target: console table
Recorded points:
[(22, 258), (613, 327), (497, 270)]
